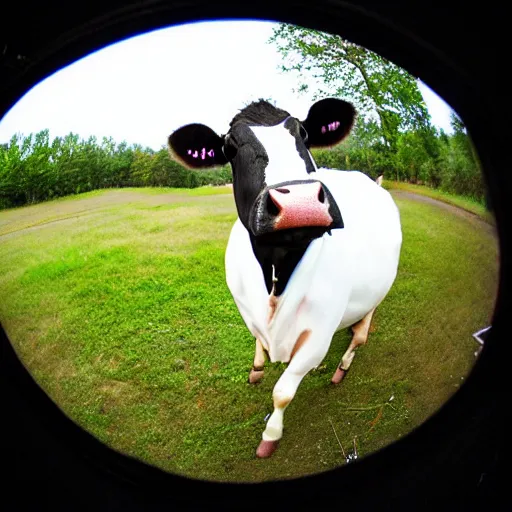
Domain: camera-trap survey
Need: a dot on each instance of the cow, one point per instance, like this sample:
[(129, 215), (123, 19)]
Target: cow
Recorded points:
[(312, 251)]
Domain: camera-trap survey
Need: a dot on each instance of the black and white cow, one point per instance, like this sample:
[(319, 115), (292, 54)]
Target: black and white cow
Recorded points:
[(312, 251)]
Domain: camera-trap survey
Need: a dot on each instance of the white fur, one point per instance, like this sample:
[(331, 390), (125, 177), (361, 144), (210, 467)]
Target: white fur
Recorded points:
[(341, 277), (285, 163), (337, 282)]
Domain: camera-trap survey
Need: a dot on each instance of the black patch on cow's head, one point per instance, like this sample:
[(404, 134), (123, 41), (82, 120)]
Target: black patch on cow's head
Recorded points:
[(297, 130), (260, 113), (246, 154), (248, 160)]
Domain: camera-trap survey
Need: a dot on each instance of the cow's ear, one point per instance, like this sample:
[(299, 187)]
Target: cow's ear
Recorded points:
[(197, 147), (329, 121)]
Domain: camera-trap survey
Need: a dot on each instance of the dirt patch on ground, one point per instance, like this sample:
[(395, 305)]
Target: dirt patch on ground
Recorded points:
[(36, 216), (455, 210)]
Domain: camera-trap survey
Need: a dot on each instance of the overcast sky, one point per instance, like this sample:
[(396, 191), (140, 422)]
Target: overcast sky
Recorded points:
[(143, 88)]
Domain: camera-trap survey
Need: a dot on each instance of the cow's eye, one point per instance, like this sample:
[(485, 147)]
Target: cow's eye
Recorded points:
[(230, 148), (303, 133)]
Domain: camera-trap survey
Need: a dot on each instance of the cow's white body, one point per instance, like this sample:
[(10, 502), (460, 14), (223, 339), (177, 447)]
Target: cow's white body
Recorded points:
[(339, 280)]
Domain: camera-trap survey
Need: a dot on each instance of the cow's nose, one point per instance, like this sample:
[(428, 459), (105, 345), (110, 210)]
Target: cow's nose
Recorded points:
[(299, 205), (309, 192)]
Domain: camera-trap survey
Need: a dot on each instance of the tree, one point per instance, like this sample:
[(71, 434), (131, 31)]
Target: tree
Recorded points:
[(378, 88), (11, 190), (461, 165), (417, 157)]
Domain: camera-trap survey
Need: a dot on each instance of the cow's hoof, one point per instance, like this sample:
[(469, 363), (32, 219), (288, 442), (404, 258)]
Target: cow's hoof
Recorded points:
[(266, 449), (338, 376), (255, 376)]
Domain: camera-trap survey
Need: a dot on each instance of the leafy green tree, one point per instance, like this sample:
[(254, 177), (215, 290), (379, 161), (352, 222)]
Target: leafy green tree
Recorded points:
[(462, 174), (417, 157), (11, 190), (379, 89), (140, 169), (38, 167)]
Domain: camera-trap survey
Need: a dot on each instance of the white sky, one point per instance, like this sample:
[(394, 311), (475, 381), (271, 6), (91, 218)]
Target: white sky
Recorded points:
[(143, 88)]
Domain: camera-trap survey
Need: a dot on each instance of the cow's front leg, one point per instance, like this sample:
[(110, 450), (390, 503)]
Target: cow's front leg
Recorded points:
[(283, 393), (256, 373), (307, 354)]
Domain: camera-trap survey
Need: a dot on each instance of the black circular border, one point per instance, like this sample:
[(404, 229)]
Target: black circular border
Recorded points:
[(456, 458)]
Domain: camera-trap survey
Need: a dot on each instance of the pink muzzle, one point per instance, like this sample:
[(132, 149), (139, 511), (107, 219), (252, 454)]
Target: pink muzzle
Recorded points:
[(300, 206)]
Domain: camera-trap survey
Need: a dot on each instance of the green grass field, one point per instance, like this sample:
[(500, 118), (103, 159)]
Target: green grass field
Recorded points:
[(116, 303)]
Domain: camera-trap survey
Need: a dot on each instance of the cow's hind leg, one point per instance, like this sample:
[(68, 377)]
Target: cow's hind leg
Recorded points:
[(360, 332), (256, 373)]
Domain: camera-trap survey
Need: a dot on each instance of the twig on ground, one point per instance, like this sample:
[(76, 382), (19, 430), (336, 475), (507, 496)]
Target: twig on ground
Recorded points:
[(339, 442)]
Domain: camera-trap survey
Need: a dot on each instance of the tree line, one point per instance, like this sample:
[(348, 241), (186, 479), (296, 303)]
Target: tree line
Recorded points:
[(394, 134), (34, 168), (424, 156)]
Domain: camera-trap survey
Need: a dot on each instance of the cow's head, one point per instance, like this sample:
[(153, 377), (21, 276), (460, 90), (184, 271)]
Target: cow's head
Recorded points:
[(277, 195)]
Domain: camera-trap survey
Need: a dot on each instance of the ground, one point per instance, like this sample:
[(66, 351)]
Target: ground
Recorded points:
[(116, 303)]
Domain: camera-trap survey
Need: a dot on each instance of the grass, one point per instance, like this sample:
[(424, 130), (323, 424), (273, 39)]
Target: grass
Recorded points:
[(120, 311), (16, 219), (466, 203)]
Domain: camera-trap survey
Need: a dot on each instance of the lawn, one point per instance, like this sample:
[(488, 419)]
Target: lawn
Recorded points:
[(116, 303)]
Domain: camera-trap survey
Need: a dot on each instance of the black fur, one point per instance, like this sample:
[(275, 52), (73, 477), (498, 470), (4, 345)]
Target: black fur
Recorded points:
[(248, 165), (294, 127), (284, 258), (324, 112), (195, 137), (260, 113)]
